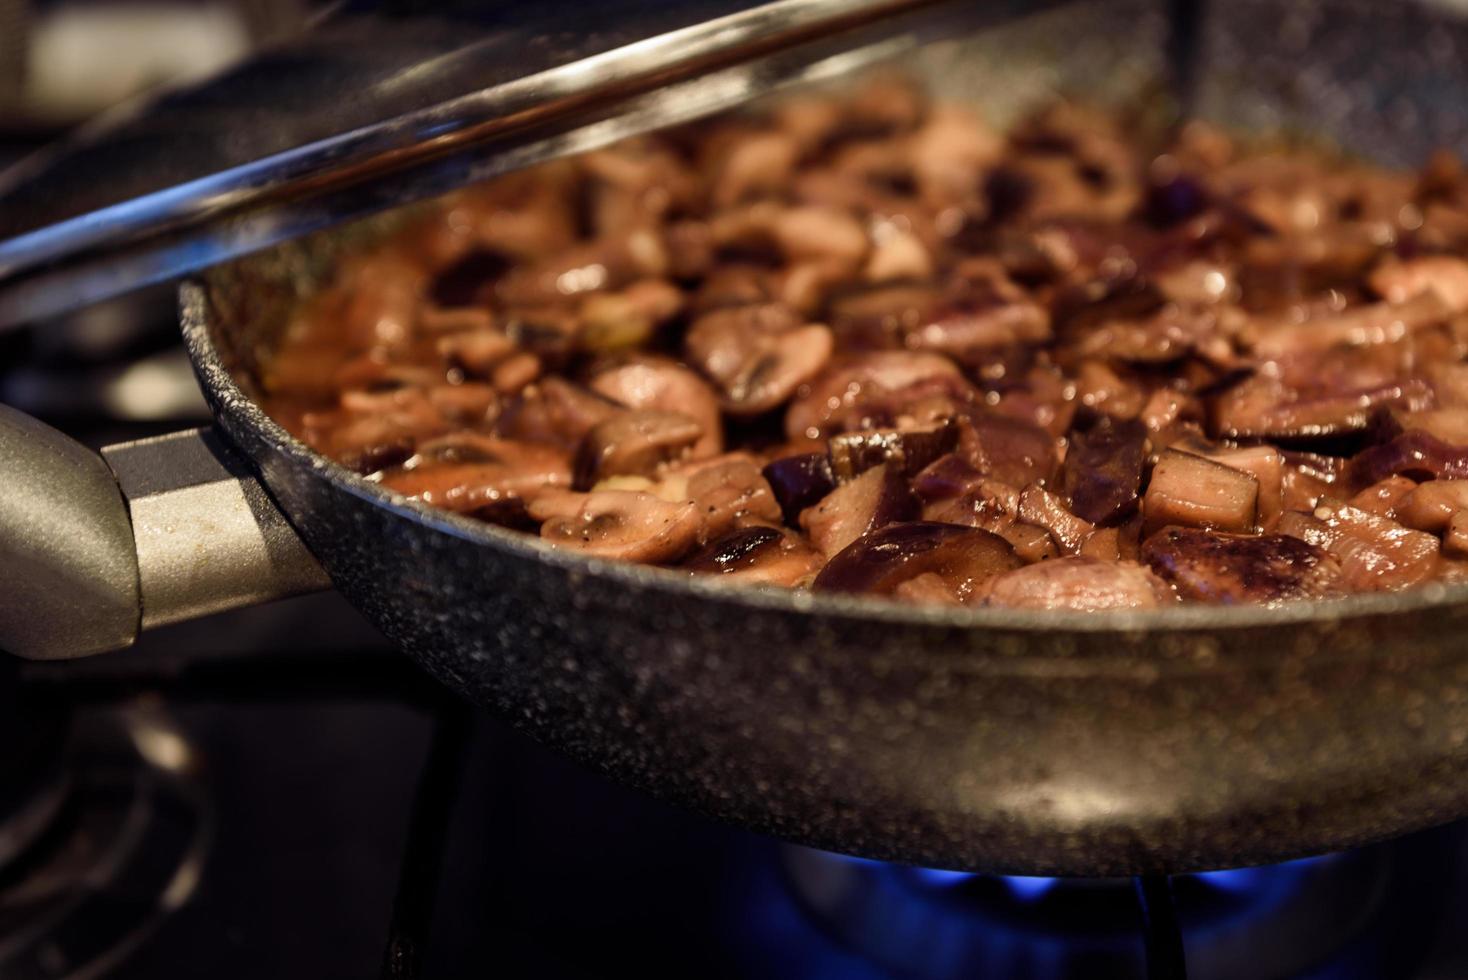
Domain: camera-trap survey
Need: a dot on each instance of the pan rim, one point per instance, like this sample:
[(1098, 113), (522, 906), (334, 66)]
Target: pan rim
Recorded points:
[(1184, 618)]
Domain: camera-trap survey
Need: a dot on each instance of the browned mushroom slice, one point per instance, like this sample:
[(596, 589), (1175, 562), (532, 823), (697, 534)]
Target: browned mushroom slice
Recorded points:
[(1041, 507), (369, 432), (634, 443), (1445, 275), (869, 391), (731, 493), (758, 165), (757, 355), (1103, 470), (648, 381), (879, 318), (466, 472), (475, 352), (622, 320), (908, 450), (1375, 553), (1431, 506), (555, 411), (610, 262), (878, 562), (623, 524), (1197, 492), (898, 255), (757, 556), (876, 498), (1231, 569), (1083, 584), (826, 234)]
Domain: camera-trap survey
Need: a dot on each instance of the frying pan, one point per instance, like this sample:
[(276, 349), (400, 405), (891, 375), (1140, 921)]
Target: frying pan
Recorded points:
[(981, 739)]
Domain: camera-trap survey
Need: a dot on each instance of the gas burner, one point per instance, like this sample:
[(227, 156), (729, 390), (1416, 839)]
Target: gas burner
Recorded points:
[(1279, 921), (110, 850)]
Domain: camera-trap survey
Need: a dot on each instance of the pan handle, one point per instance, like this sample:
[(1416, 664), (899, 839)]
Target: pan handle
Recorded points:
[(95, 548)]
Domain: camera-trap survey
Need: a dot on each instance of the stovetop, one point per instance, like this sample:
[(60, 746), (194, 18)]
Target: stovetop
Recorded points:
[(284, 762)]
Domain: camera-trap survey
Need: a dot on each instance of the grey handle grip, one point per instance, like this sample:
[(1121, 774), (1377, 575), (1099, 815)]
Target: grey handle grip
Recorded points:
[(94, 549)]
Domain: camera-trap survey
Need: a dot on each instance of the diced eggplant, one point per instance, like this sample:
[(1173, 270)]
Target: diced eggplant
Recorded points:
[(881, 560), (1039, 506), (945, 478), (1415, 454), (1382, 499), (875, 499), (799, 482), (906, 450), (1103, 470), (757, 556), (1431, 506), (1192, 491), (1010, 450)]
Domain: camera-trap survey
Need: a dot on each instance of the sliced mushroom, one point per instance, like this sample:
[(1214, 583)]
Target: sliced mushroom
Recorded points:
[(757, 355), (1231, 569), (730, 494), (622, 524), (627, 319), (555, 411), (870, 391), (634, 443), (465, 472), (1083, 584), (649, 381), (1445, 275)]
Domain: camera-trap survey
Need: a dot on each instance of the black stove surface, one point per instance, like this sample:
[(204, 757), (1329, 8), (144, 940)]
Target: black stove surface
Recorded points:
[(307, 788)]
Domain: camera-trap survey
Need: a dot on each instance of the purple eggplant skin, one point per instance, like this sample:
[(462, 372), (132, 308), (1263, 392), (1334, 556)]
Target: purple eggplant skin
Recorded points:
[(799, 482), (945, 478), (1103, 470), (1009, 450), (881, 560), (735, 550), (1414, 453), (853, 453)]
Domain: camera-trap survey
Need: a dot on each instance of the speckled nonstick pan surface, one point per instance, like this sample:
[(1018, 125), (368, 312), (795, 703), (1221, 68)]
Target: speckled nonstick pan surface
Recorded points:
[(1041, 743)]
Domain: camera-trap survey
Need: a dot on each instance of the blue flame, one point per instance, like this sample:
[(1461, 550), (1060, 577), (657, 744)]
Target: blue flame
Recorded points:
[(1027, 888)]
